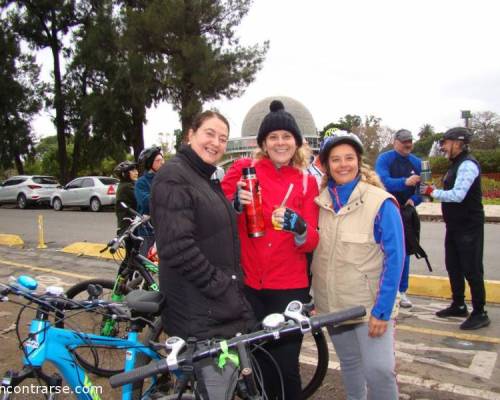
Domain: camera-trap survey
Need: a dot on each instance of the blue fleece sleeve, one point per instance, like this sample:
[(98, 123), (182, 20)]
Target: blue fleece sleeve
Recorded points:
[(382, 168), (388, 232), (142, 193)]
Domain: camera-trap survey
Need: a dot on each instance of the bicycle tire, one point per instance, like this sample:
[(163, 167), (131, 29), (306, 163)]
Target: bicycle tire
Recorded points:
[(311, 385), (101, 361)]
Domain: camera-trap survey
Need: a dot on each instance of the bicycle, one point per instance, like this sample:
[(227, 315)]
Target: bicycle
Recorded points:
[(138, 269), (48, 343), (249, 381), (134, 272)]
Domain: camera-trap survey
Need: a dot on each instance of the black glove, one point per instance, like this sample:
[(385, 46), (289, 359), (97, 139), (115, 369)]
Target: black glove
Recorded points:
[(293, 222), (236, 201)]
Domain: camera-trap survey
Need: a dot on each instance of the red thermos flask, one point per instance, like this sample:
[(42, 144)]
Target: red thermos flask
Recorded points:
[(253, 211)]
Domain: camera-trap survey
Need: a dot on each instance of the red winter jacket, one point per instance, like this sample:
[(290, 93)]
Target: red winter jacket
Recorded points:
[(274, 261)]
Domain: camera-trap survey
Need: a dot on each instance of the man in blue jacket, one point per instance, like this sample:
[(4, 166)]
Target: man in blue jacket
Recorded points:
[(399, 171), (151, 159)]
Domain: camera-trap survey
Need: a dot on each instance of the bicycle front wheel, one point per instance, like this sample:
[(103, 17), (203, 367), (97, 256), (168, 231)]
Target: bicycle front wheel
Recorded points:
[(313, 360), (100, 360)]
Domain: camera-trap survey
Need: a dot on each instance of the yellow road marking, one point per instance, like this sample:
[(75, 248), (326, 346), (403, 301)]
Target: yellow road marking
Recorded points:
[(457, 335), (45, 269)]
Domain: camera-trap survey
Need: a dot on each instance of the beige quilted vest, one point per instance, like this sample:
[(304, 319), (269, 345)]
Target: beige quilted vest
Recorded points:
[(348, 262)]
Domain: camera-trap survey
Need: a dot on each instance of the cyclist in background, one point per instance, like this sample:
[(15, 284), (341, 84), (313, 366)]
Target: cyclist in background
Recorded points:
[(127, 172), (151, 160)]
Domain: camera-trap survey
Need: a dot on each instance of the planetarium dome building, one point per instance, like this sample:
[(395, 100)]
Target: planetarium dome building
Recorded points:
[(244, 145)]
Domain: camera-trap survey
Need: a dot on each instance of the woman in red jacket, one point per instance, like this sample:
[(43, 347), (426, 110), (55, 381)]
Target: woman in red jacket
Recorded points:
[(275, 264)]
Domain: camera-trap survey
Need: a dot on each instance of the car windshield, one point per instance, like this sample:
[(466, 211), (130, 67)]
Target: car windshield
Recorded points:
[(109, 181), (45, 180)]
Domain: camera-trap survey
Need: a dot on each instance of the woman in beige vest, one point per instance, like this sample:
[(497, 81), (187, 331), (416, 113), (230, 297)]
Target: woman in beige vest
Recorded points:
[(359, 260)]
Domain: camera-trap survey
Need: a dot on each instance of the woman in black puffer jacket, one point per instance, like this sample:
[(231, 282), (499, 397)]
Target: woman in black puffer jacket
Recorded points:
[(198, 246)]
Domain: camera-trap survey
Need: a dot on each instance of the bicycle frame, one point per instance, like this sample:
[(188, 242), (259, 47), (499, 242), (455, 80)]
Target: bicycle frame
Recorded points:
[(48, 343)]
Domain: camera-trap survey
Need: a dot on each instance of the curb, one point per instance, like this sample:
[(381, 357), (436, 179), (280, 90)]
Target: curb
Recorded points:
[(11, 240), (438, 286), (92, 250)]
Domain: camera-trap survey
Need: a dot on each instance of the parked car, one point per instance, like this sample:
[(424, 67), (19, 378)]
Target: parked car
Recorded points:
[(92, 192), (27, 190)]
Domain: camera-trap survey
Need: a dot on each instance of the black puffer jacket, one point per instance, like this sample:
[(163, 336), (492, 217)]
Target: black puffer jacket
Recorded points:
[(124, 193), (199, 251)]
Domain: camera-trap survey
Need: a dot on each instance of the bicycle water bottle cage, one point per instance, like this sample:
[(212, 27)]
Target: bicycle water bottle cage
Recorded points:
[(294, 311)]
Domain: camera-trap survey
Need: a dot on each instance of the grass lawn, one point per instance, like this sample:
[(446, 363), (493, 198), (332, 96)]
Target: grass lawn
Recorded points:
[(491, 201)]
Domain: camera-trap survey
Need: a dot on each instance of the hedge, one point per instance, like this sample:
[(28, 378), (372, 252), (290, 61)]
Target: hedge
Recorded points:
[(488, 159)]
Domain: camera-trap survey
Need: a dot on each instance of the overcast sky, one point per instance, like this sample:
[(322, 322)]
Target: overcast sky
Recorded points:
[(407, 62)]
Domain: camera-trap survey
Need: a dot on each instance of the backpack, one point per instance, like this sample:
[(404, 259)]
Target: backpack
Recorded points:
[(411, 224)]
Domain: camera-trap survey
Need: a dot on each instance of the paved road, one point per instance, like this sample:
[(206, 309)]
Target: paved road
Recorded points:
[(435, 360), (65, 227)]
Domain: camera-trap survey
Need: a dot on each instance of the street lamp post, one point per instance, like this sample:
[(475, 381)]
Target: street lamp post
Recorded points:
[(466, 116)]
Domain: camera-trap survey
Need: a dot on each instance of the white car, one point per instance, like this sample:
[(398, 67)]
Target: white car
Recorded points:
[(27, 190), (92, 192)]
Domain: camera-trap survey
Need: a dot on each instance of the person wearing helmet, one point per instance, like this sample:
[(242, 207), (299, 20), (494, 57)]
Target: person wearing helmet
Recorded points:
[(275, 264), (127, 172), (358, 261), (151, 160), (463, 214), (399, 171)]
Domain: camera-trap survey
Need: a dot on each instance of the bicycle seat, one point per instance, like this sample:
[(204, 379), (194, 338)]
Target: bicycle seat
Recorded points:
[(144, 302)]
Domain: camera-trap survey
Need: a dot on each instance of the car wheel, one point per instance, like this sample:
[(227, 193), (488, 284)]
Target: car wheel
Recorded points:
[(95, 204), (57, 204), (22, 203)]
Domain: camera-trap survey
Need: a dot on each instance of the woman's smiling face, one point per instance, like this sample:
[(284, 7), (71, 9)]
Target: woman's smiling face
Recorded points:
[(209, 141), (280, 146), (343, 163)]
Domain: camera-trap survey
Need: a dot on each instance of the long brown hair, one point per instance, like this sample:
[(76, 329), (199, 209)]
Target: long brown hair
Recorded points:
[(203, 116)]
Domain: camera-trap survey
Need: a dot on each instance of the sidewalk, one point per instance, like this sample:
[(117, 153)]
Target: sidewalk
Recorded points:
[(432, 211)]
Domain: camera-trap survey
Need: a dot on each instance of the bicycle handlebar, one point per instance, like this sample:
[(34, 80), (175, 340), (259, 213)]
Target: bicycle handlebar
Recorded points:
[(115, 243), (290, 327), (60, 303)]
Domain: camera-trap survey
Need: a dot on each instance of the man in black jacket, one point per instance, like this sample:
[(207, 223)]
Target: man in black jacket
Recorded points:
[(461, 204)]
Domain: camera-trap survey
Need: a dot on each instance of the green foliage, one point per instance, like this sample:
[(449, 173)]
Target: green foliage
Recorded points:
[(21, 100), (489, 160), (422, 147)]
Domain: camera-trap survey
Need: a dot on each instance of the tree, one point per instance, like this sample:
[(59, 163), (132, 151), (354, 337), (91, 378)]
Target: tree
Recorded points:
[(20, 101), (486, 128), (204, 60), (426, 131), (44, 23)]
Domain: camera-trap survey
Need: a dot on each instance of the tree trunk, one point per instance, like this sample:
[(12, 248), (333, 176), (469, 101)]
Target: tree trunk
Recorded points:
[(81, 133), (190, 108), (19, 164), (59, 106), (138, 116)]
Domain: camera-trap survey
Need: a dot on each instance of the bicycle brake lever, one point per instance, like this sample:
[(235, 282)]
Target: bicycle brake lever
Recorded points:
[(175, 344)]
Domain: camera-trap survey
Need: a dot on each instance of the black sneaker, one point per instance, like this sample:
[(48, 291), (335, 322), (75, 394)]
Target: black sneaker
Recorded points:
[(476, 321), (453, 311)]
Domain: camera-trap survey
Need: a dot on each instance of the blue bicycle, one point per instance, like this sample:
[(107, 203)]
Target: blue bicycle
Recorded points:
[(46, 342)]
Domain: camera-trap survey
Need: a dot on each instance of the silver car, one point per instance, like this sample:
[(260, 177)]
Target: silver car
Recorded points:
[(27, 190), (92, 192)]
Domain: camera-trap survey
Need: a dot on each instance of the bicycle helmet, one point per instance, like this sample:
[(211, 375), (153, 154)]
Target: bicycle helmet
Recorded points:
[(459, 133), (336, 138), (148, 155), (121, 170)]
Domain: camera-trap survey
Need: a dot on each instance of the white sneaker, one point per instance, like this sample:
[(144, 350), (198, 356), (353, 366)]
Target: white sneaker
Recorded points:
[(404, 301)]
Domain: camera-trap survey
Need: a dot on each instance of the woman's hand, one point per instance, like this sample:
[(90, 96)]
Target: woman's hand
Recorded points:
[(376, 327), (244, 196)]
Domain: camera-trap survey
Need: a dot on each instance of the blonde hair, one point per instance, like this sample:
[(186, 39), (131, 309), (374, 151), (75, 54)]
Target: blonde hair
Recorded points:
[(300, 159)]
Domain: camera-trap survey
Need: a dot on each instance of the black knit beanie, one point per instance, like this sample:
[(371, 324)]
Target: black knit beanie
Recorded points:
[(278, 119)]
